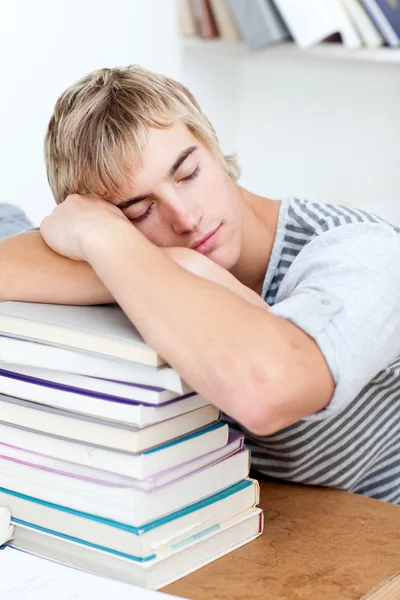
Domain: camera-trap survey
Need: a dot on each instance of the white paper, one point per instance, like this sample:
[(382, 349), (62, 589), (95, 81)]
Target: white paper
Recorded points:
[(27, 577), (6, 529)]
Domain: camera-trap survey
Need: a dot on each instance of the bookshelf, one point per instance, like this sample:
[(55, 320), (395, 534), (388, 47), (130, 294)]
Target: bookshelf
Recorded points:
[(333, 51), (322, 124)]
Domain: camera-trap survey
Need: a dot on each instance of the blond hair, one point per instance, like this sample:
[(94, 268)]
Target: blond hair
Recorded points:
[(99, 129)]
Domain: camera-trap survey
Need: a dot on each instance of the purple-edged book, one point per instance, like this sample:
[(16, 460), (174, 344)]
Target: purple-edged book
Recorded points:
[(119, 498), (386, 16), (124, 405)]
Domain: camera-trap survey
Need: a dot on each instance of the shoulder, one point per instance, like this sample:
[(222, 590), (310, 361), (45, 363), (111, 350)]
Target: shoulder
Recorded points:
[(358, 250)]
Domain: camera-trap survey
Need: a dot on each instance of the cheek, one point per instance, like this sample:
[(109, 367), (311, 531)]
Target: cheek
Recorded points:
[(156, 233)]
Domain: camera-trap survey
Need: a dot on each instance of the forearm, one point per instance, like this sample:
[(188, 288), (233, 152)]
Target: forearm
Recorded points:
[(214, 338), (31, 272)]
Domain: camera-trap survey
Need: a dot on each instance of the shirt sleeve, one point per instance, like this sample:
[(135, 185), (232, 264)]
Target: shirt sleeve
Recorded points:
[(12, 220), (343, 290)]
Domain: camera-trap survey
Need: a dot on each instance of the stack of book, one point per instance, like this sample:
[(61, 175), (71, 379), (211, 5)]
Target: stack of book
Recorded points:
[(108, 461), (354, 23)]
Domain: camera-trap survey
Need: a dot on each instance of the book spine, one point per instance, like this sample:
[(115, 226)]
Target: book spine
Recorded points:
[(382, 22)]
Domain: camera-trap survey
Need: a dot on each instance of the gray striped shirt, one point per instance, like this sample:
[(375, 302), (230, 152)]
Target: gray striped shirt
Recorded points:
[(335, 273)]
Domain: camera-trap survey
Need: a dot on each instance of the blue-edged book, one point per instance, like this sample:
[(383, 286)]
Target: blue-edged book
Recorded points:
[(179, 560), (139, 543), (386, 16)]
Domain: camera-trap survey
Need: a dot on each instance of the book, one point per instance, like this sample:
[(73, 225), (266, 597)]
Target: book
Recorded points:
[(6, 529), (186, 19), (312, 21), (33, 578), (103, 329), (117, 499), (204, 20), (145, 542), (137, 466), (386, 16), (259, 23), (155, 573), (102, 432), (17, 353), (91, 386), (153, 482), (224, 20), (367, 30), (69, 399)]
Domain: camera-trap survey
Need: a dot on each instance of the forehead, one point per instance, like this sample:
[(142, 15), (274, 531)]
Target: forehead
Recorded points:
[(161, 151), (163, 147)]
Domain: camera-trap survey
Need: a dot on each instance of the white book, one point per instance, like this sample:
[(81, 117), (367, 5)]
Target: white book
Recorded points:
[(153, 539), (381, 17), (138, 466), (225, 22), (57, 582), (20, 352), (312, 21), (119, 502), (363, 23), (75, 402), (154, 482), (101, 329), (153, 573), (83, 384), (101, 432), (259, 22)]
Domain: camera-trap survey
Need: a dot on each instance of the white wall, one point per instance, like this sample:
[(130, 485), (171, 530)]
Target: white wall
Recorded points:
[(45, 46), (323, 129)]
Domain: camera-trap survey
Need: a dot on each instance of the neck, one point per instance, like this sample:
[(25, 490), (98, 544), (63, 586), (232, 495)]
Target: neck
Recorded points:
[(260, 219)]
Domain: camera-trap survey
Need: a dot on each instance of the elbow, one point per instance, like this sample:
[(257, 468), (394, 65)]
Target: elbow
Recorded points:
[(264, 405), (257, 406), (259, 414)]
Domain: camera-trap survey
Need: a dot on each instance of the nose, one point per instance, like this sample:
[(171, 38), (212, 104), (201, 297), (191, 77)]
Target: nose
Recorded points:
[(184, 219)]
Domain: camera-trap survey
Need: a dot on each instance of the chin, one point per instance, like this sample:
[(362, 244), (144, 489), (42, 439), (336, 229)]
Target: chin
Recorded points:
[(225, 257)]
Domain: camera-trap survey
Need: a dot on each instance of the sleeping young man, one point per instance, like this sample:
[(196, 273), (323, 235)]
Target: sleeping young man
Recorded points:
[(284, 314)]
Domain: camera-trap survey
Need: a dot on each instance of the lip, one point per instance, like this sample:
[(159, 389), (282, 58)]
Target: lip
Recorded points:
[(206, 243)]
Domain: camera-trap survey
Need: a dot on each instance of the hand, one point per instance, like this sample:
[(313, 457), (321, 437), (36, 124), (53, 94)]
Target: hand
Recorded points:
[(76, 221)]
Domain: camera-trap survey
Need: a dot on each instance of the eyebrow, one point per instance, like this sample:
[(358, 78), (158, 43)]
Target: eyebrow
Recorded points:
[(181, 158)]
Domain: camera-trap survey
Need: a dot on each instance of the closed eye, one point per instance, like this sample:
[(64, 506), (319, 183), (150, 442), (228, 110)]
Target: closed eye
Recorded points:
[(192, 175), (143, 216)]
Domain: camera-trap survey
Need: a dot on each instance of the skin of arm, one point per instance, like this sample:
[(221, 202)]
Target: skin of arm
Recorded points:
[(258, 368), (32, 272)]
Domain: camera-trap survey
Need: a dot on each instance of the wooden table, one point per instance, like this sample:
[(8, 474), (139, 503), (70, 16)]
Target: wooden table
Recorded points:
[(317, 544)]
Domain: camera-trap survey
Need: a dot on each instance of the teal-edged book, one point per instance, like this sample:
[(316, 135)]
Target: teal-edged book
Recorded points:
[(137, 543), (181, 559)]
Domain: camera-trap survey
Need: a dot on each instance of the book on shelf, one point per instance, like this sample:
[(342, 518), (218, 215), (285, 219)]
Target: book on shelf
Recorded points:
[(109, 462), (225, 22), (259, 22), (366, 28), (386, 16), (204, 19), (312, 21), (187, 22)]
